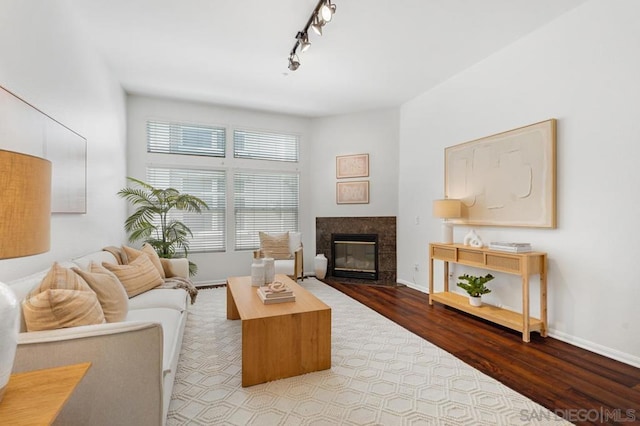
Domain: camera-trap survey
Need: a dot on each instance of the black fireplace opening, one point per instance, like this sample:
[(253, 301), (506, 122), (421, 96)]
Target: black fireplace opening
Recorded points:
[(354, 256)]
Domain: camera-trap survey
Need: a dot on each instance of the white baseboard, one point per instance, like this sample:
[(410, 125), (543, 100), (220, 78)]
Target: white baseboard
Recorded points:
[(576, 341), (223, 281), (595, 347), (412, 285)]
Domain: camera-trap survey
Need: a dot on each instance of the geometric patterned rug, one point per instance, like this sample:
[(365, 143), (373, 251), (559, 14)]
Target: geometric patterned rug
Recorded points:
[(381, 374)]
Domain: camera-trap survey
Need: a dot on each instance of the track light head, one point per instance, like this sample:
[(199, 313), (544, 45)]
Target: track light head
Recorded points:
[(303, 41), (317, 24), (305, 44), (294, 62), (327, 10)]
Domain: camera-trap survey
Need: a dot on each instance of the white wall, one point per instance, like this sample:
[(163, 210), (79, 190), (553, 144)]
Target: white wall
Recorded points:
[(583, 70), (46, 60), (216, 267), (373, 132)]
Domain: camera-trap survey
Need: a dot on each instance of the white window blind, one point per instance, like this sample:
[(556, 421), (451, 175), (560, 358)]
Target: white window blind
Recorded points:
[(264, 202), (208, 227), (265, 146), (190, 139)]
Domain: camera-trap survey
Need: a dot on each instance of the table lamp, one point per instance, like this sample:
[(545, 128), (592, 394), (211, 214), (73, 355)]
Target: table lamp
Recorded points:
[(25, 218), (447, 209)]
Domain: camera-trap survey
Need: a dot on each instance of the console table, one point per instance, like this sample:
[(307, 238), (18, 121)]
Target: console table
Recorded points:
[(523, 264)]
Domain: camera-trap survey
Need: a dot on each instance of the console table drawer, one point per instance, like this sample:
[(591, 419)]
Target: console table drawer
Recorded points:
[(443, 253), (468, 256), (503, 263)]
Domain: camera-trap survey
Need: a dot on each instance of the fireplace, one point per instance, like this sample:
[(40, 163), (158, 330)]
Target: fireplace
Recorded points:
[(384, 227), (355, 256)]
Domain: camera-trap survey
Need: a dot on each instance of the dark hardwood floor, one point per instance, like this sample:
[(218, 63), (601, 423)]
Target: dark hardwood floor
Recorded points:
[(580, 386)]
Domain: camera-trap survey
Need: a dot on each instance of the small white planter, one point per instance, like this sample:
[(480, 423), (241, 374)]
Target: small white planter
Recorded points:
[(475, 301)]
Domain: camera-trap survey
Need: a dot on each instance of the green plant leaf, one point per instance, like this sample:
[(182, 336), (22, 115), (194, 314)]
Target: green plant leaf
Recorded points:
[(151, 223), (475, 286)]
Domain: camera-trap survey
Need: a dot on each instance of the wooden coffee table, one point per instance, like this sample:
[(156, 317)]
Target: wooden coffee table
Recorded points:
[(279, 340)]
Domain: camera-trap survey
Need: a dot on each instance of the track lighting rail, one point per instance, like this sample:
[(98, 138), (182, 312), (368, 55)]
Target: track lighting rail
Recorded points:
[(322, 13)]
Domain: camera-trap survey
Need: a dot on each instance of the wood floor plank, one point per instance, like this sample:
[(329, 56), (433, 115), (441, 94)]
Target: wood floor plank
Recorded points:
[(561, 377)]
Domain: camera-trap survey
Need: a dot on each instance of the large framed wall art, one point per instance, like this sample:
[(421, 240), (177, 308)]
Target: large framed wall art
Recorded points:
[(507, 179), (26, 129)]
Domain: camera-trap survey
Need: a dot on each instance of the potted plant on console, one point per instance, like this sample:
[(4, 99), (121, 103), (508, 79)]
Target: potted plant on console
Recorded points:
[(475, 287), (153, 223)]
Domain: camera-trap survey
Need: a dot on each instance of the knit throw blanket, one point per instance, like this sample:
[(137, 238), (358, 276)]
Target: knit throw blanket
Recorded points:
[(183, 283), (170, 282)]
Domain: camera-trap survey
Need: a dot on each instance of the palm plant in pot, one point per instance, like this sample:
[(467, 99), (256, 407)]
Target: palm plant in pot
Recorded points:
[(151, 221), (475, 287)]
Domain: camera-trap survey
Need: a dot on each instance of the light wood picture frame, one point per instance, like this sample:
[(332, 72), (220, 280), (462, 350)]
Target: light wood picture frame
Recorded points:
[(352, 166), (352, 192), (507, 179)]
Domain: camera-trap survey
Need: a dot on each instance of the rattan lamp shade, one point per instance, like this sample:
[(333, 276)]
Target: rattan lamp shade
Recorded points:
[(447, 208), (25, 204)]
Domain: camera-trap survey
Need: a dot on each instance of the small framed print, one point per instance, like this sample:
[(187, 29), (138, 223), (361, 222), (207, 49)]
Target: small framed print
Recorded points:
[(352, 166), (354, 192)]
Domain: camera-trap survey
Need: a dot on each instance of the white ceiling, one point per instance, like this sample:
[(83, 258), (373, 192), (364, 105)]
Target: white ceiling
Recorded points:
[(373, 54)]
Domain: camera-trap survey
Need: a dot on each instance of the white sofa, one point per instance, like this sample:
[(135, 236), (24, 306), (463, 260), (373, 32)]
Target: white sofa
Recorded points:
[(133, 363)]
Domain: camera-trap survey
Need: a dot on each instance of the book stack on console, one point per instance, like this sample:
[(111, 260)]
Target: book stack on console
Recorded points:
[(268, 296), (510, 247)]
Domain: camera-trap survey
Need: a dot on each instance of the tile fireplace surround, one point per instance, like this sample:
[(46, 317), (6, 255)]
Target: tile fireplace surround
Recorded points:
[(384, 226)]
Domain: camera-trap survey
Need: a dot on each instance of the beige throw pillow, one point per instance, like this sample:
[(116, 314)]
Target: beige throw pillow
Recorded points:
[(111, 293), (63, 299), (167, 266), (132, 254), (275, 245), (138, 276)]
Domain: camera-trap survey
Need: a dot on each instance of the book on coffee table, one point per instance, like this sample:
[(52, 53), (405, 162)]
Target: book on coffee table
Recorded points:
[(271, 294), (275, 299)]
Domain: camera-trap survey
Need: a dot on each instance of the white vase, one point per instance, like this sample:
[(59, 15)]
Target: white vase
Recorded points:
[(269, 270), (475, 301), (257, 273), (320, 265), (9, 327)]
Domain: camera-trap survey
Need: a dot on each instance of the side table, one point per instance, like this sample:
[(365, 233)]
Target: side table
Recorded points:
[(36, 397)]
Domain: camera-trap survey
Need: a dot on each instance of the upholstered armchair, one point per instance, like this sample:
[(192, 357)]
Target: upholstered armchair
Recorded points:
[(286, 250)]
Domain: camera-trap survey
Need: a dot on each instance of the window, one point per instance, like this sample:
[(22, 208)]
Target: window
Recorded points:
[(189, 139), (265, 146), (264, 202), (208, 227)]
